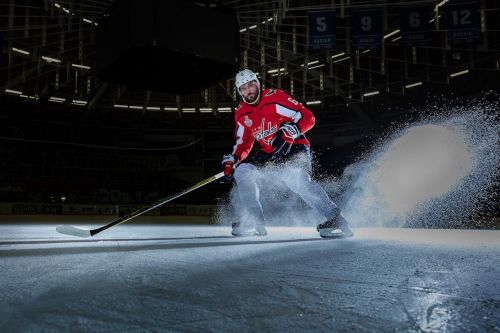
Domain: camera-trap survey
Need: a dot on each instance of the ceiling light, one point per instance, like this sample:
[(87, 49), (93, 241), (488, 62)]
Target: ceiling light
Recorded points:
[(342, 59), (57, 99), (395, 39), (371, 93), (442, 3), (276, 70), (391, 33), (338, 55), (311, 63), (170, 109), (411, 85), (459, 73), (20, 51), (313, 102), (224, 109), (80, 66), (49, 59), (154, 108), (136, 107), (252, 27), (78, 102), (313, 67), (120, 106), (206, 110), (13, 92)]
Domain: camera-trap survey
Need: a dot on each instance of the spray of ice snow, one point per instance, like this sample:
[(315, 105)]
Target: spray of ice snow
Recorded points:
[(438, 172)]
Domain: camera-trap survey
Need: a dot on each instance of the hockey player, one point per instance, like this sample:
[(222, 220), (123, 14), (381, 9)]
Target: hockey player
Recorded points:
[(278, 123)]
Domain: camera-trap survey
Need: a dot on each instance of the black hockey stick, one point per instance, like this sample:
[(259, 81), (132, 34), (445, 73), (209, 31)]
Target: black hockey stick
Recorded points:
[(73, 231)]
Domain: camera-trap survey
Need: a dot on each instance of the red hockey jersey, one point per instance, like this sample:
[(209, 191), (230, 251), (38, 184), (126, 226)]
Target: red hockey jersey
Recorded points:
[(261, 122)]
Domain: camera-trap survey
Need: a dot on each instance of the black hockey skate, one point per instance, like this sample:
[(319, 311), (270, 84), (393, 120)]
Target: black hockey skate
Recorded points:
[(335, 228), (240, 230)]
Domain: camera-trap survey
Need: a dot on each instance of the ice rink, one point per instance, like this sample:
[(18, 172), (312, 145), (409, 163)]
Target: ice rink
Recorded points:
[(159, 278)]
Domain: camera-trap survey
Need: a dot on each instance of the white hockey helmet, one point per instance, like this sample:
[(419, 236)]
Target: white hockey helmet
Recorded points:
[(245, 76)]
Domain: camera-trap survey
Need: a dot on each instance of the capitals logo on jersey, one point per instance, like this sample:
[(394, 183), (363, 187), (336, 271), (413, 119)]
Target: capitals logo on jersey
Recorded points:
[(262, 134)]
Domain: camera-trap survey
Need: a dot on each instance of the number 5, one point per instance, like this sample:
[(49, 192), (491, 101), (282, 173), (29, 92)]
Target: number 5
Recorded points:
[(321, 24)]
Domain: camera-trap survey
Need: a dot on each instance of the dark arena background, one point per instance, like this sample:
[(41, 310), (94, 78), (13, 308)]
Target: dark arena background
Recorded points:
[(109, 108)]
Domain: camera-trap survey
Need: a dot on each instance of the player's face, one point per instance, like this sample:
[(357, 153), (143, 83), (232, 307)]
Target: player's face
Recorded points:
[(250, 91)]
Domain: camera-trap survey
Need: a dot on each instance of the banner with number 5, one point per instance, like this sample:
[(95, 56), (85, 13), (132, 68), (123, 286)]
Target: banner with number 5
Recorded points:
[(366, 28), (322, 25)]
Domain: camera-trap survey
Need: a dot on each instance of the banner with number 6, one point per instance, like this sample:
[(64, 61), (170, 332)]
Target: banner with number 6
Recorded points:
[(415, 26)]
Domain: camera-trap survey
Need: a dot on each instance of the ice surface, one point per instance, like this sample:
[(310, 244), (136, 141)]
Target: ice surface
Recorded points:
[(136, 278)]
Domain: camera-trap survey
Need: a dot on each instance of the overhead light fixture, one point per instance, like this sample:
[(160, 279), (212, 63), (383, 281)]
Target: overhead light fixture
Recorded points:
[(432, 20), (276, 70), (391, 33), (65, 10), (371, 93), (459, 73), (78, 102), (365, 51), (57, 5), (225, 109), (411, 85), (80, 66), (252, 27), (318, 66), (20, 51), (153, 108), (243, 30), (170, 109), (310, 63), (120, 106), (188, 110), (13, 92), (269, 19), (57, 99), (338, 55), (135, 107), (442, 3), (339, 60), (313, 102), (263, 22), (49, 59), (206, 110), (395, 39), (87, 20)]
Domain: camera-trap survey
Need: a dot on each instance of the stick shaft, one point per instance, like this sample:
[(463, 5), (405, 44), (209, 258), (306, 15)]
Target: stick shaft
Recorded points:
[(156, 204)]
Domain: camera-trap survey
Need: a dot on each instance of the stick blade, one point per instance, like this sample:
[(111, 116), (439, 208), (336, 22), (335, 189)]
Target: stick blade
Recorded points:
[(72, 231)]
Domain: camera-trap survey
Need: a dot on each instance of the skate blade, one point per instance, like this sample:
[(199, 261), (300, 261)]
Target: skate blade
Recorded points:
[(245, 233), (335, 233)]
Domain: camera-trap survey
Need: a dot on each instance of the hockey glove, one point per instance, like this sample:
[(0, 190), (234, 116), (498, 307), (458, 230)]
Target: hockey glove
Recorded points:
[(281, 148), (228, 165)]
